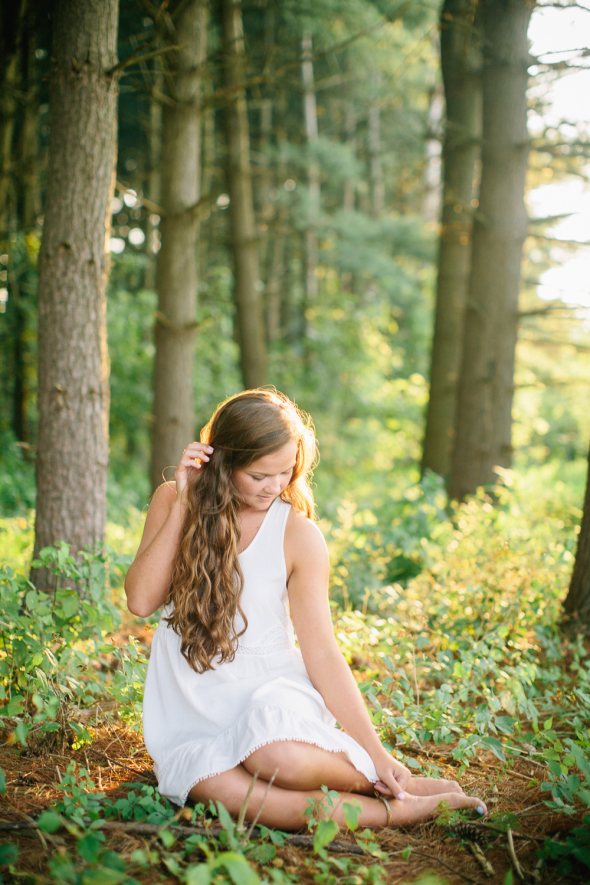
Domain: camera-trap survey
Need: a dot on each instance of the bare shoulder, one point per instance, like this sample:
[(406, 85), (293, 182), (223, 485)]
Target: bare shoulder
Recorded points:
[(305, 545), (164, 496), (160, 506)]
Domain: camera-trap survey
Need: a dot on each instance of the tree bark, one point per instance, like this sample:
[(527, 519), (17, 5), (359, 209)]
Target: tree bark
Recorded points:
[(576, 606), (244, 245), (485, 391), (73, 395), (176, 278), (310, 115), (433, 162), (461, 69), (374, 145), (12, 21), (155, 173)]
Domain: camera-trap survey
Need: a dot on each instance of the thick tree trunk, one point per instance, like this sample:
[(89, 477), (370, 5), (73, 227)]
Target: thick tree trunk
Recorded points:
[(247, 284), (485, 391), (176, 278), (461, 69), (72, 450), (576, 606), (313, 170)]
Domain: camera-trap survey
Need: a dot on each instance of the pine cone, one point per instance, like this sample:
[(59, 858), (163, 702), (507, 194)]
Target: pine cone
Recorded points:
[(471, 832)]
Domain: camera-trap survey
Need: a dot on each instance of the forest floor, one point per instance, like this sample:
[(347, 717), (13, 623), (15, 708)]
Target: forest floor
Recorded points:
[(117, 763)]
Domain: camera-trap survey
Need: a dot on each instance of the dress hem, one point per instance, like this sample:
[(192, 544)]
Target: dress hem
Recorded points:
[(259, 746)]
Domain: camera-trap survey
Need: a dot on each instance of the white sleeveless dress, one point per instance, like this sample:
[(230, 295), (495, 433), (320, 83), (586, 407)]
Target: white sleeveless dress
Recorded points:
[(201, 724)]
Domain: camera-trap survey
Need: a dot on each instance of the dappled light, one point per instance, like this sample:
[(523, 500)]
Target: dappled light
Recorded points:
[(381, 210)]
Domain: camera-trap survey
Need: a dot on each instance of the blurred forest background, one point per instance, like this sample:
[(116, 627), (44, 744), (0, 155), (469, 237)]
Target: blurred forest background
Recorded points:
[(330, 198), (345, 120)]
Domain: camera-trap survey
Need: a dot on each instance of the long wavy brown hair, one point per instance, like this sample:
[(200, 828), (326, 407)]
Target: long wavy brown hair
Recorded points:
[(207, 580)]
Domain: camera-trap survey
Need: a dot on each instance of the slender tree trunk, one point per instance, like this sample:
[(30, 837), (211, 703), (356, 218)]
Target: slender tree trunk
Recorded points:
[(461, 69), (576, 606), (433, 164), (485, 391), (72, 451), (155, 173), (29, 202), (350, 136), (313, 170), (247, 285), (176, 278), (374, 143), (12, 20)]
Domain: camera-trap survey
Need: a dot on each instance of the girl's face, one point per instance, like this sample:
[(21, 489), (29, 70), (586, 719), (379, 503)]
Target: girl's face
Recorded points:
[(264, 479)]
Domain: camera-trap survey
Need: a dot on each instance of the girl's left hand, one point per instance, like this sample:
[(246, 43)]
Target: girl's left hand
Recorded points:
[(393, 776)]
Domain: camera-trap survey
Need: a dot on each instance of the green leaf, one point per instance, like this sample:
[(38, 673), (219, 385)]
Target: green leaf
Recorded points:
[(262, 853), (225, 819), (8, 853), (406, 852), (584, 795), (167, 838), (508, 877), (49, 821), (325, 832), (13, 707), (240, 871), (352, 811), (103, 876), (70, 606), (2, 783), (22, 731), (198, 874), (89, 846)]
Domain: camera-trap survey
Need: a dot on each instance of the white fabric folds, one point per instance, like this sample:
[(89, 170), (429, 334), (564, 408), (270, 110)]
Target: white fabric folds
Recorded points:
[(197, 725)]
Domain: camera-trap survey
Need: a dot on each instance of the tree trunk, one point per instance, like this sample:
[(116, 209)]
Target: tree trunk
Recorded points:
[(247, 284), (73, 396), (374, 144), (432, 166), (155, 173), (176, 278), (576, 606), (484, 399), (12, 20), (461, 69), (29, 159), (313, 171), (350, 137)]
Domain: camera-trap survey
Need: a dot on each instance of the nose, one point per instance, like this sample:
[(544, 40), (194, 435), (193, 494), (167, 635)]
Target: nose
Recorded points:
[(274, 485)]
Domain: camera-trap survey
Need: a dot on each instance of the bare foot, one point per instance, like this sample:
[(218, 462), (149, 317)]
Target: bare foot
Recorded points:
[(416, 808)]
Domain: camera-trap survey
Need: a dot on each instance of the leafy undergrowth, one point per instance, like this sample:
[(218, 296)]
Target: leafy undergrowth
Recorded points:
[(462, 664)]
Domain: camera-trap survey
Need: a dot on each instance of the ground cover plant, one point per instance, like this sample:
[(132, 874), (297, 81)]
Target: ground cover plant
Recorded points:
[(449, 617)]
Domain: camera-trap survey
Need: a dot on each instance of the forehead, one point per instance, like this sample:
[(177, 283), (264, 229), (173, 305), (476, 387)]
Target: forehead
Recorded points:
[(277, 462)]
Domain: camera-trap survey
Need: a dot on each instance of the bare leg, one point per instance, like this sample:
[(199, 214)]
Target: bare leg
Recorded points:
[(306, 767), (285, 808)]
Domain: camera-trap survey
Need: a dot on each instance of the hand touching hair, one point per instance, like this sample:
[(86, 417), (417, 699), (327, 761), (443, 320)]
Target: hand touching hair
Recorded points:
[(207, 580)]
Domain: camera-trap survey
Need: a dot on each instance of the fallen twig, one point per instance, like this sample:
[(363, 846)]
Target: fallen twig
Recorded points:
[(481, 858), (513, 857), (447, 865), (153, 830)]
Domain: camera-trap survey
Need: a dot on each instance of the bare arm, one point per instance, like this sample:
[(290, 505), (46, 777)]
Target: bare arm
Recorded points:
[(307, 560), (149, 575)]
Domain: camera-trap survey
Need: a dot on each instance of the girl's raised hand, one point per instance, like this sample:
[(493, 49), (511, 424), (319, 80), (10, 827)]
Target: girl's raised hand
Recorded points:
[(194, 457)]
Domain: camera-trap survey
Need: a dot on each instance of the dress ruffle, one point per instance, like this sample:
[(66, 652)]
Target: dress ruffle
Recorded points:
[(207, 758)]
